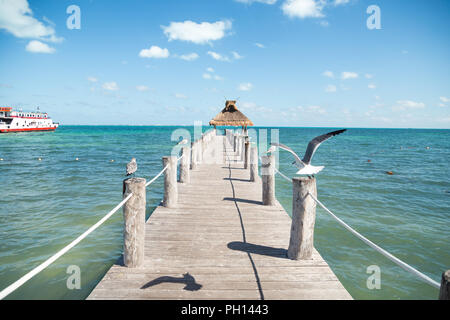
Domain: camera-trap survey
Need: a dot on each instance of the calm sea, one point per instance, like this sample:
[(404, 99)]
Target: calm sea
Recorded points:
[(46, 204)]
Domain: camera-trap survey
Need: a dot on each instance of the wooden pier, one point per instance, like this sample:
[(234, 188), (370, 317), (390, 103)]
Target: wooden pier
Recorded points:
[(219, 241)]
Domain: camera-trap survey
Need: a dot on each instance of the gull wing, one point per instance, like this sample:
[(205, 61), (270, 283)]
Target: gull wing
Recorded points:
[(315, 143), (282, 146)]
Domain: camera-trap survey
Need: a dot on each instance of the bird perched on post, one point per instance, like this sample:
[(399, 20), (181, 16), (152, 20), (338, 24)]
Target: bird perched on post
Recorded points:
[(131, 167), (305, 164)]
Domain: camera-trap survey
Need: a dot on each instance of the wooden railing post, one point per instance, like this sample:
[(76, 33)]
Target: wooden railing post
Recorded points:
[(301, 243), (246, 154), (444, 292), (268, 179), (253, 163), (185, 176), (134, 222), (170, 182), (193, 156)]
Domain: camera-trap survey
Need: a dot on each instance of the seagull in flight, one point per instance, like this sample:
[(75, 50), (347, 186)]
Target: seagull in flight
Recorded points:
[(131, 167), (304, 165)]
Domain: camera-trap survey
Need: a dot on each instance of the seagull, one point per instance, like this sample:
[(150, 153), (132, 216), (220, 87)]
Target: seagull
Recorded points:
[(184, 141), (131, 167), (305, 164)]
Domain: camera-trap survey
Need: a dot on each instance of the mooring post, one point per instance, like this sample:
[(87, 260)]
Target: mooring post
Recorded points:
[(246, 154), (301, 243), (193, 155), (268, 179), (185, 175), (134, 222), (253, 163), (170, 182), (444, 292)]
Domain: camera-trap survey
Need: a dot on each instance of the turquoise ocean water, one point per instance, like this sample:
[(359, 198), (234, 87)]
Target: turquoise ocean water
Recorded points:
[(46, 204)]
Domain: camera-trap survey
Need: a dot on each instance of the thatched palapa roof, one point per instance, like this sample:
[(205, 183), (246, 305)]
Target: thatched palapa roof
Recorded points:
[(230, 116)]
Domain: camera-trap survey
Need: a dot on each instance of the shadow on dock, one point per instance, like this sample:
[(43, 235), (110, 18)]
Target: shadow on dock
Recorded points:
[(243, 200), (258, 249), (187, 279)]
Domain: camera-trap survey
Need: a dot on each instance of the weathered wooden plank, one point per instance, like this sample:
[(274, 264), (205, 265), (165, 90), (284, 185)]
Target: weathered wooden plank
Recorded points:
[(220, 242)]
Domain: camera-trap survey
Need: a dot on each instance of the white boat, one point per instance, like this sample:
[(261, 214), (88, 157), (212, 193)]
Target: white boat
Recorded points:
[(25, 121)]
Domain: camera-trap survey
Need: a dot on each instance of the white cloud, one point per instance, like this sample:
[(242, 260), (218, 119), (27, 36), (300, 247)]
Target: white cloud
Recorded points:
[(180, 96), (328, 74), (16, 17), (368, 76), (207, 76), (260, 45), (339, 2), (142, 88), (408, 104), (331, 88), (324, 23), (110, 86), (441, 105), (247, 86), (92, 79), (444, 99), (216, 77), (39, 47), (199, 33), (210, 69), (218, 56), (316, 109), (154, 52), (236, 55), (189, 57), (303, 8), (348, 75), (371, 86), (260, 1)]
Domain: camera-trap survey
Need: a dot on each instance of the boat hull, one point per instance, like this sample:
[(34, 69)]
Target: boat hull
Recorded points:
[(27, 130)]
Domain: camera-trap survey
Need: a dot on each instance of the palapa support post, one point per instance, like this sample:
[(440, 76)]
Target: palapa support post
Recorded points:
[(268, 179), (170, 182), (253, 163), (235, 143), (444, 292), (246, 154), (185, 175), (301, 243), (134, 222)]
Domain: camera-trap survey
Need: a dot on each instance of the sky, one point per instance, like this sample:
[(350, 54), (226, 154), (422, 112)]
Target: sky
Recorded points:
[(306, 63)]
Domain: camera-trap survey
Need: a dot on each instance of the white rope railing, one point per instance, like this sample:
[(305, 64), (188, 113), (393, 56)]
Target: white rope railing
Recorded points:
[(53, 258), (391, 257), (281, 174), (11, 288)]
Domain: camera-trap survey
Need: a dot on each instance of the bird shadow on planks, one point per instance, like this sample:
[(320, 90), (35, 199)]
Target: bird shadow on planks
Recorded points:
[(243, 200), (258, 249), (188, 280)]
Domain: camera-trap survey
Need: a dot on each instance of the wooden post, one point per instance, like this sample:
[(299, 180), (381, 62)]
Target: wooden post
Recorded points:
[(268, 179), (185, 176), (235, 143), (444, 293), (301, 243), (170, 182), (193, 155), (134, 222), (253, 163), (246, 154)]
